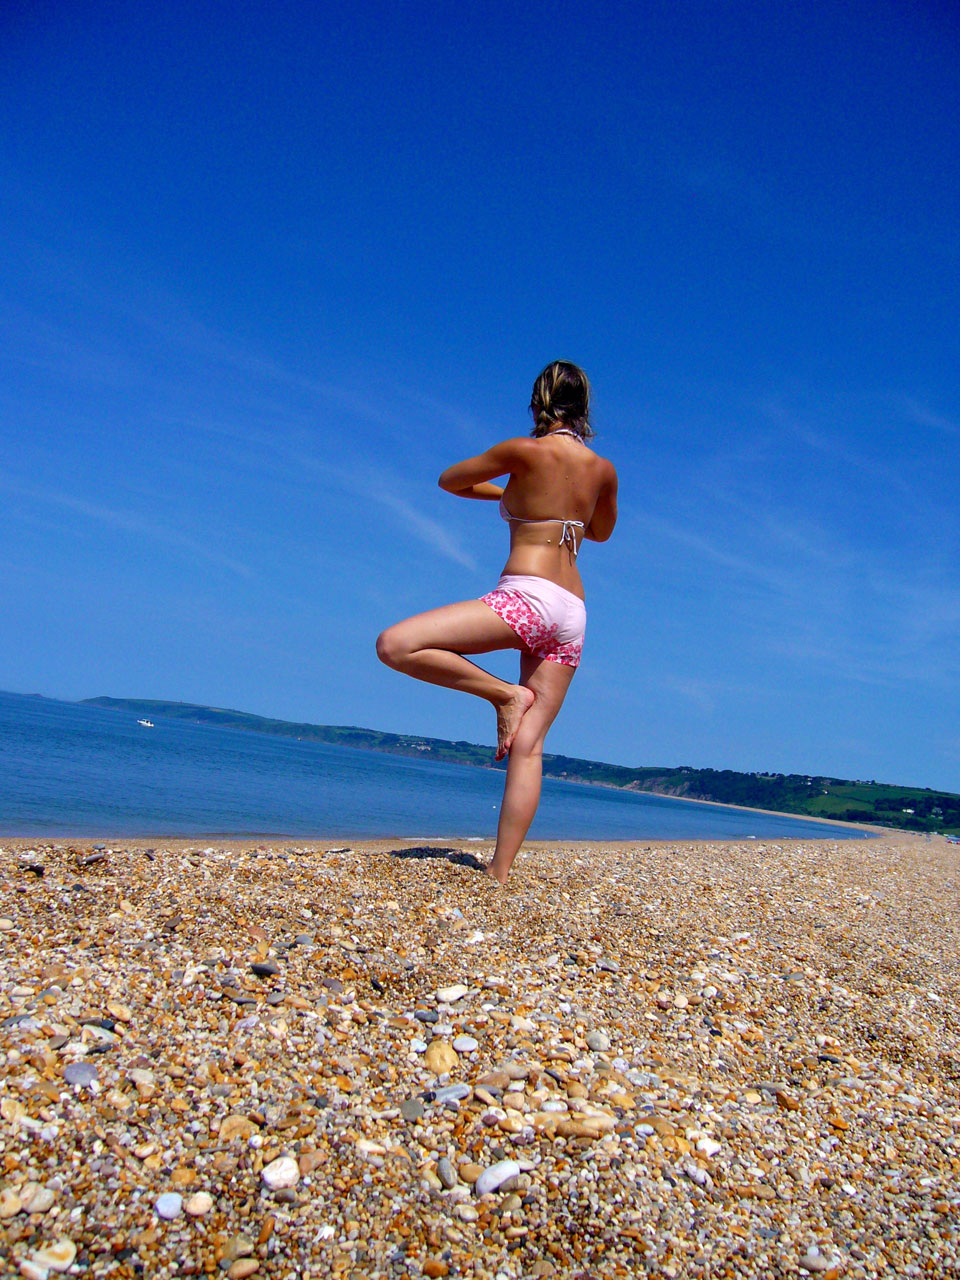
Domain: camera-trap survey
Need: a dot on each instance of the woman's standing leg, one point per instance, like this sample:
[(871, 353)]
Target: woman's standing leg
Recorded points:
[(549, 682)]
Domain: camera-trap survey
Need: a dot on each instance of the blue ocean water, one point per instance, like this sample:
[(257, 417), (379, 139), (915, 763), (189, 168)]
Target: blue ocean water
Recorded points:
[(68, 770)]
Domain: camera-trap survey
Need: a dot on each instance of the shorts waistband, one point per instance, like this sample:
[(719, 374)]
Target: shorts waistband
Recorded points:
[(533, 582)]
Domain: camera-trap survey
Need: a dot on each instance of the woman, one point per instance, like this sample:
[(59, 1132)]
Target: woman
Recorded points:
[(558, 493)]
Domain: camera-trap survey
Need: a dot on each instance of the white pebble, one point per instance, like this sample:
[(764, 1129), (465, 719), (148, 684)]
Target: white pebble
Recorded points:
[(814, 1260), (280, 1173), (450, 995), (169, 1205), (465, 1044), (199, 1204), (56, 1257), (491, 1178)]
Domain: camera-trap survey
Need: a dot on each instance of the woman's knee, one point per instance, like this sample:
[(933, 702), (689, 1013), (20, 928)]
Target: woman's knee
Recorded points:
[(390, 647), (528, 745)]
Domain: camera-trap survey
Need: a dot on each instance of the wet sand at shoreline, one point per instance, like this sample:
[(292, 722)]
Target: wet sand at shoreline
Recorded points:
[(297, 1058)]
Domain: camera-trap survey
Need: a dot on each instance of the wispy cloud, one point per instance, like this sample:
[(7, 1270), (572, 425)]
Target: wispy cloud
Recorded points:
[(127, 522), (817, 599), (925, 417), (290, 461), (432, 532), (746, 565), (832, 446)]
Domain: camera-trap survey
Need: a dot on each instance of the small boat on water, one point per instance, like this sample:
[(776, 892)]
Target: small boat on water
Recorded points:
[(147, 724)]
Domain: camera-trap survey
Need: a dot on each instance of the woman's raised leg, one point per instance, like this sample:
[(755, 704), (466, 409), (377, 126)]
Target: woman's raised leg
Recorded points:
[(430, 646), (549, 682)]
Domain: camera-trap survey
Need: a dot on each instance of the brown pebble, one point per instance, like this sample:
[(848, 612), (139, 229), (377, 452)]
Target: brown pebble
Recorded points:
[(237, 1127), (243, 1267)]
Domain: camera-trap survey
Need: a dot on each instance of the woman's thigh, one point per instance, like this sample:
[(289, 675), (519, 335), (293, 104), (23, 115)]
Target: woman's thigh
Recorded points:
[(468, 627)]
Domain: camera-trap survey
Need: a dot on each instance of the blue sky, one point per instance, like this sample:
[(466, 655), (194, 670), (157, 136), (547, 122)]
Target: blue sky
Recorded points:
[(269, 269)]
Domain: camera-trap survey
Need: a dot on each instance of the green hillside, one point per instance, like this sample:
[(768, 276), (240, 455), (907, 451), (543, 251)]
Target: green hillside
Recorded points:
[(910, 808)]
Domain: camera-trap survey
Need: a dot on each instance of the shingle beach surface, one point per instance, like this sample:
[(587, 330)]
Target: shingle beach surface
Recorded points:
[(292, 1059)]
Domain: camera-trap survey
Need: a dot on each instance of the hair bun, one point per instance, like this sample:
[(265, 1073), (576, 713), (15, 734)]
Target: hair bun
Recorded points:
[(561, 394)]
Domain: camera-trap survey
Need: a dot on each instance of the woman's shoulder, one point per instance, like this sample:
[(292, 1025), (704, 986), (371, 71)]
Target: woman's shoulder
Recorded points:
[(516, 450)]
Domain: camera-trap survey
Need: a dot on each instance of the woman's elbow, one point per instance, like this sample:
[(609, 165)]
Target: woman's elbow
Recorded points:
[(599, 532)]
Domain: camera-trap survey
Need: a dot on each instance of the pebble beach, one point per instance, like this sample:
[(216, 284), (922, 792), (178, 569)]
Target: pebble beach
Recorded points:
[(281, 1058)]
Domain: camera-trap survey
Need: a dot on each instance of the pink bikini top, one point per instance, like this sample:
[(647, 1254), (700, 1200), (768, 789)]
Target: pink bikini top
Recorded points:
[(568, 535)]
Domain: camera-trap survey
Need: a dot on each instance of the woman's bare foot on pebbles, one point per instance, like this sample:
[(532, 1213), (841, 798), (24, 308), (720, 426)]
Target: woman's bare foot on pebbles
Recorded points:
[(509, 716), (489, 875)]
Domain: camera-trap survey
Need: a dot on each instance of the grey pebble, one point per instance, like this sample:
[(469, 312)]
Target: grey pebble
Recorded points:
[(84, 1073), (452, 1093)]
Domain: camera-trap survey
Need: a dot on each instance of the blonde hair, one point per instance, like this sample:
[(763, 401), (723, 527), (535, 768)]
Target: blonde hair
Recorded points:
[(561, 395)]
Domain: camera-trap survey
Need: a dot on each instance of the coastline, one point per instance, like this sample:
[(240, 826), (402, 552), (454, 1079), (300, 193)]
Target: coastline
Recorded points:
[(869, 829), (696, 1055)]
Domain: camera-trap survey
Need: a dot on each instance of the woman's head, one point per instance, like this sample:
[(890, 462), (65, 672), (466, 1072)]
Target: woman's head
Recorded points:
[(561, 397)]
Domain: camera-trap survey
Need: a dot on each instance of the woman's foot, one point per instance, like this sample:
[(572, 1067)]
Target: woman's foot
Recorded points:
[(509, 715), (490, 875)]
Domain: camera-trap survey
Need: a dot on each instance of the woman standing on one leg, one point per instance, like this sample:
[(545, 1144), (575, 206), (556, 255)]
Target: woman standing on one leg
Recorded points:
[(559, 492)]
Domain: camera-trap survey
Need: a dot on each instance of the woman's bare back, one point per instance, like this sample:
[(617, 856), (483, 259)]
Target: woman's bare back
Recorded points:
[(557, 479)]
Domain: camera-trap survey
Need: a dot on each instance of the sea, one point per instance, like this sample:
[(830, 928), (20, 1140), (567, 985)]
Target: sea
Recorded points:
[(68, 770)]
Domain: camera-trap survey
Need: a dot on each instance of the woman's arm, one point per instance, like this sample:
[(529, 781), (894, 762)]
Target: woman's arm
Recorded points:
[(604, 516), (492, 492), (471, 478)]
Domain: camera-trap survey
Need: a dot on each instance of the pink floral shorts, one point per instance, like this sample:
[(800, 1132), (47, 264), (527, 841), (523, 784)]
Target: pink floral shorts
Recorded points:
[(548, 619)]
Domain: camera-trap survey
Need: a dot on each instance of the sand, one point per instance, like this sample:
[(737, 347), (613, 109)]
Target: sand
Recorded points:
[(288, 1058)]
